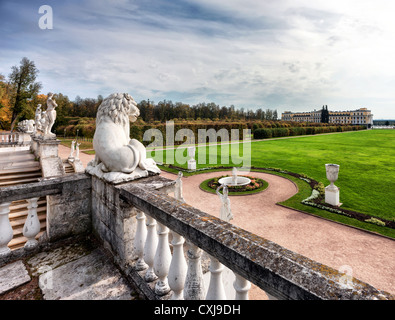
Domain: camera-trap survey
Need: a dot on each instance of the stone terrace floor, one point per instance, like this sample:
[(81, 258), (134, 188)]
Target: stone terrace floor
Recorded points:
[(74, 271)]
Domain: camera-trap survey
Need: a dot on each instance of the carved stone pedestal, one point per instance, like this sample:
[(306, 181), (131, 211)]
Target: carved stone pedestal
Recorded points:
[(332, 196), (47, 151), (191, 164)]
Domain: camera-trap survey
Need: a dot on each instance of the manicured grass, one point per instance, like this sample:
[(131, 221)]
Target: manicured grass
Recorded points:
[(366, 159), (83, 146)]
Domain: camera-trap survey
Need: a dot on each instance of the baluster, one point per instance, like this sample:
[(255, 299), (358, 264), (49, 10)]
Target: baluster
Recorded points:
[(150, 249), (162, 261), (6, 233), (139, 241), (216, 290), (32, 224), (178, 267), (194, 285), (242, 286)]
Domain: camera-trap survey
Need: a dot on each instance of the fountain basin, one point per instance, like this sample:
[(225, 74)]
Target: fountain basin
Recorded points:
[(230, 181)]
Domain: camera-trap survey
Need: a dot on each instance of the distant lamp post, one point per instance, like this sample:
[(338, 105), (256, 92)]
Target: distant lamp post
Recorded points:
[(76, 139)]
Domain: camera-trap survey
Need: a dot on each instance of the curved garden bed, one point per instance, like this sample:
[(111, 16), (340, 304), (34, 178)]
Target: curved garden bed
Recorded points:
[(308, 202), (255, 186)]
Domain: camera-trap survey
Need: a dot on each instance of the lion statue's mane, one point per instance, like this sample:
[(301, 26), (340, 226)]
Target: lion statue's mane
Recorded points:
[(114, 150)]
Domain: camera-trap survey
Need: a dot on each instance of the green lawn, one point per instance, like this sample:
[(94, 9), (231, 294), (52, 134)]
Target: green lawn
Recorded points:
[(85, 145), (366, 159)]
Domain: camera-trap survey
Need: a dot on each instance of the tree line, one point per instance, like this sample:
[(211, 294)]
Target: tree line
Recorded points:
[(20, 95)]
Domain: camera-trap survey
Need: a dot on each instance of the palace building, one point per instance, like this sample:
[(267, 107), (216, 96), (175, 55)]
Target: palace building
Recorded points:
[(361, 116)]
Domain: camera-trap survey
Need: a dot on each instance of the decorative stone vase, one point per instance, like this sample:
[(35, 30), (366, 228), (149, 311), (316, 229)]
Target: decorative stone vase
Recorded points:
[(191, 153), (191, 161), (332, 173), (331, 191)]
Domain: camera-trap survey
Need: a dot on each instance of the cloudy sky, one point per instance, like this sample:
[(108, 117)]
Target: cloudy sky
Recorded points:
[(282, 54)]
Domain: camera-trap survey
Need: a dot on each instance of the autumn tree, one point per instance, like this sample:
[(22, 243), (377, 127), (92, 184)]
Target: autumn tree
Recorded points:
[(5, 110), (24, 85)]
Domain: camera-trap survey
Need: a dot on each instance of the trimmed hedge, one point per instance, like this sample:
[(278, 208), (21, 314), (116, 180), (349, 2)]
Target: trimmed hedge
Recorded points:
[(261, 129), (265, 133)]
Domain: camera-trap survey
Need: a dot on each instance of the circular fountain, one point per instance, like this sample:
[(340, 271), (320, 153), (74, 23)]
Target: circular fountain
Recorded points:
[(234, 180)]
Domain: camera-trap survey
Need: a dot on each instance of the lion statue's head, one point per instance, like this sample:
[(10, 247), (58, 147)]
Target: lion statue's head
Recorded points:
[(119, 107)]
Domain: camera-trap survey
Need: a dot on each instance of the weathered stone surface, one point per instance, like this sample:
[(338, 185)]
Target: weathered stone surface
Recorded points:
[(116, 177), (52, 167), (44, 261), (46, 186), (113, 221), (92, 277), (13, 275), (78, 166), (69, 213)]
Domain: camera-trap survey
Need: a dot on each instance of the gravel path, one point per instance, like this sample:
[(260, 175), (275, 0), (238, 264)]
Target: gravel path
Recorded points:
[(368, 257)]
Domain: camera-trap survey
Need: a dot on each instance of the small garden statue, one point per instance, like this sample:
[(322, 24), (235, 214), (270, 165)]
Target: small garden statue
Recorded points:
[(43, 121), (72, 149), (77, 151), (178, 188), (50, 115), (225, 213), (37, 118)]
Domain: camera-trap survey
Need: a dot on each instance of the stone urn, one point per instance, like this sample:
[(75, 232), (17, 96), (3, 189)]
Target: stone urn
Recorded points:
[(332, 173), (191, 153)]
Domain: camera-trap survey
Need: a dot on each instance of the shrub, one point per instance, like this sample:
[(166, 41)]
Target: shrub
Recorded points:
[(263, 133)]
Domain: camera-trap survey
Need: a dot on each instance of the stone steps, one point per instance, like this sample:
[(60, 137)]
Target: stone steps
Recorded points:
[(68, 168), (20, 181), (19, 164), (20, 167), (20, 170)]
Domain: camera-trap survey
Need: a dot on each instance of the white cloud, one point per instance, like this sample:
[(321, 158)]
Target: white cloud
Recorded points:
[(277, 53)]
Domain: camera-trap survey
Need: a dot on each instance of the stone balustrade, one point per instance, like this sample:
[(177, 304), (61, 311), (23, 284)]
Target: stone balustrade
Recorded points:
[(159, 241), (9, 138), (68, 212)]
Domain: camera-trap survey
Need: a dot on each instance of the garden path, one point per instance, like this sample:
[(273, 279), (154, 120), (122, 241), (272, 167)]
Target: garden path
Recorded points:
[(366, 256)]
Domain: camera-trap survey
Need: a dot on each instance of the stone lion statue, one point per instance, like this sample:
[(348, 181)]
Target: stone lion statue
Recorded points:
[(115, 151)]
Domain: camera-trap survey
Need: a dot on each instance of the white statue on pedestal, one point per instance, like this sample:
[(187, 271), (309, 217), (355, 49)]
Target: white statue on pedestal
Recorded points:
[(43, 121), (50, 115), (72, 149), (178, 188), (117, 157), (77, 151), (29, 126), (225, 213), (37, 118)]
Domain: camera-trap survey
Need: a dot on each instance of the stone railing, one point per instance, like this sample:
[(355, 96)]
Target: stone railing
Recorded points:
[(9, 138), (151, 215), (147, 231), (15, 138), (68, 212)]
